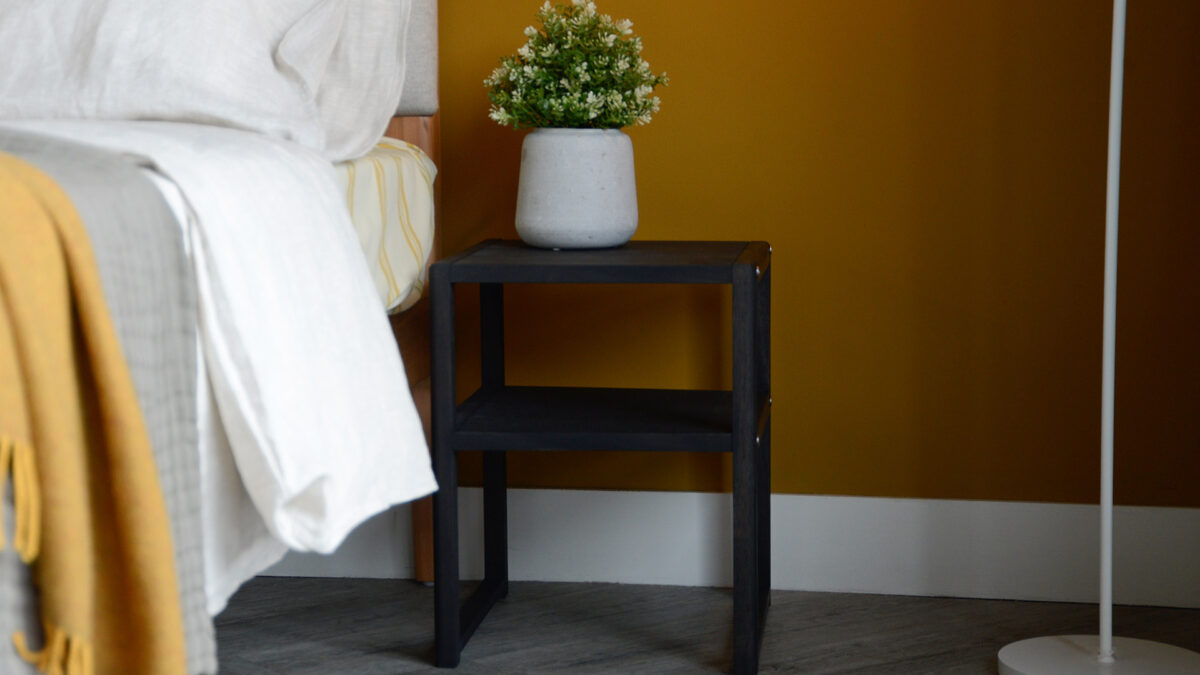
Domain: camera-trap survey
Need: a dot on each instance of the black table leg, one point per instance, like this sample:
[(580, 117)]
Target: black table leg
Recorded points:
[(745, 485), (495, 481), (763, 534), (491, 335), (495, 521), (445, 464), (762, 367), (445, 565)]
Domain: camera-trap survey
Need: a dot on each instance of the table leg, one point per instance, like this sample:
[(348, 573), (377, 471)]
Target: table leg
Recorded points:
[(446, 603), (491, 335), (446, 608), (495, 479), (745, 481), (763, 534), (745, 562), (495, 520), (762, 367)]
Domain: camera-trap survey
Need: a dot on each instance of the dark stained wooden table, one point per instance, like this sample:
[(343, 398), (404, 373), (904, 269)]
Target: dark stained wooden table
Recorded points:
[(498, 417)]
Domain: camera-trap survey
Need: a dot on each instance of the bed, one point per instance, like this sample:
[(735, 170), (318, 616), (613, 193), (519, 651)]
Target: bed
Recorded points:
[(282, 405)]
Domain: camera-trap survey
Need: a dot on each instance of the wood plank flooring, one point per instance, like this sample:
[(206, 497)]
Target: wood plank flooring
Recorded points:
[(311, 626)]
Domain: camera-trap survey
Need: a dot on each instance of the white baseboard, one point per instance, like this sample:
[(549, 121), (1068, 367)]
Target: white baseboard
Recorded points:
[(1011, 550)]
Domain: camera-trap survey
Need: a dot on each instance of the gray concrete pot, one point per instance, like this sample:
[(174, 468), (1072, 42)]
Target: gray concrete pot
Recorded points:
[(577, 189)]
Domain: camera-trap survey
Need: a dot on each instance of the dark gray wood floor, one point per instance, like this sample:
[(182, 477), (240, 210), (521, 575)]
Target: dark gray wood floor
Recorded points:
[(288, 625)]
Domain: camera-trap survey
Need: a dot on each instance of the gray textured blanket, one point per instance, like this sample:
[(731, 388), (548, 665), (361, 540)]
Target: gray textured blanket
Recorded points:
[(150, 289)]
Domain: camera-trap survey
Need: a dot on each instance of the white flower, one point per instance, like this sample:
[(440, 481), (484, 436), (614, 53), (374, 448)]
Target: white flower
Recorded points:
[(530, 31), (524, 51), (498, 114), (609, 39), (625, 26), (496, 77)]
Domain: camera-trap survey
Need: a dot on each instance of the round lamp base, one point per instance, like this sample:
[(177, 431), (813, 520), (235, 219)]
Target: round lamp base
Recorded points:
[(1079, 654)]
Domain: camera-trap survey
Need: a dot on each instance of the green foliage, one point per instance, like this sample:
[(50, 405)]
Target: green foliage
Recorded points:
[(581, 70)]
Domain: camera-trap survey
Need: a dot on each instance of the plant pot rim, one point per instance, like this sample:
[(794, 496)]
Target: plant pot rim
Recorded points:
[(559, 130)]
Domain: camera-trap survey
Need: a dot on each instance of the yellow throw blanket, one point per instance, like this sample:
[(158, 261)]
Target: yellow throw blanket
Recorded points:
[(89, 514)]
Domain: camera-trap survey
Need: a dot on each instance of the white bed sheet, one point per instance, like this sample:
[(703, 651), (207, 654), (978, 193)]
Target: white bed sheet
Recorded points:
[(313, 403), (237, 544)]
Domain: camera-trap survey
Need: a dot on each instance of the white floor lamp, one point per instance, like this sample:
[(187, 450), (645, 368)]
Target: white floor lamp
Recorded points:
[(1090, 654)]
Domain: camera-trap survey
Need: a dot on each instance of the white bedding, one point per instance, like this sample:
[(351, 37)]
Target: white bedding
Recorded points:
[(237, 543), (325, 73), (306, 377)]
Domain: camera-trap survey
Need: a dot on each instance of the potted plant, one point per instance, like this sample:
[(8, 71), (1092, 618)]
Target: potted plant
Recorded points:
[(577, 81)]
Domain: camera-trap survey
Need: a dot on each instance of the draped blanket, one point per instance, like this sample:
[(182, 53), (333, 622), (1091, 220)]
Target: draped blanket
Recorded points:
[(71, 430), (150, 290)]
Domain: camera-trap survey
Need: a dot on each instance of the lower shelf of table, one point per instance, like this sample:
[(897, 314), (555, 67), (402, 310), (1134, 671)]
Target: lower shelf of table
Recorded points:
[(582, 418)]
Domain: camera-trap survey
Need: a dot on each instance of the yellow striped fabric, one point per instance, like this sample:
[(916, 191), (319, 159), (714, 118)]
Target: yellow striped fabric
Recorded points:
[(390, 194)]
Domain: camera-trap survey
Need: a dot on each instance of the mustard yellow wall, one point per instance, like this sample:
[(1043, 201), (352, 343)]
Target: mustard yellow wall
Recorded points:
[(931, 175)]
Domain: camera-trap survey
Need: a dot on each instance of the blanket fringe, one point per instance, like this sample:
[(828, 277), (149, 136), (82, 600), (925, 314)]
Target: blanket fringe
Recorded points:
[(27, 497), (62, 654)]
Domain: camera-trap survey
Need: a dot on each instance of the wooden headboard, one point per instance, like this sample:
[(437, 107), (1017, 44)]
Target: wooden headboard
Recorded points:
[(411, 329)]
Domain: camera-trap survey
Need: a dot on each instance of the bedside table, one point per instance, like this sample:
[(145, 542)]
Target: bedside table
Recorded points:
[(498, 417)]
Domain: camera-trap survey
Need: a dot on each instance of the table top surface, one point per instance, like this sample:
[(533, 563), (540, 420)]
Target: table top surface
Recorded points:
[(501, 260)]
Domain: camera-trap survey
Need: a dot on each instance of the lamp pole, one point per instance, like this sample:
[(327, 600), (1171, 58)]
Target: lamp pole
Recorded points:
[(1089, 654), (1109, 350)]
